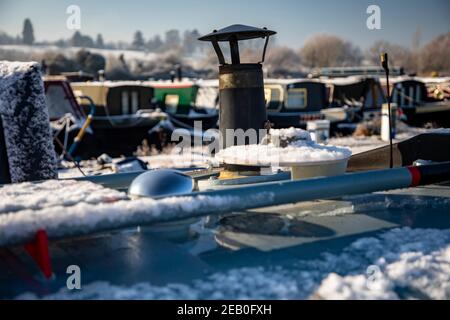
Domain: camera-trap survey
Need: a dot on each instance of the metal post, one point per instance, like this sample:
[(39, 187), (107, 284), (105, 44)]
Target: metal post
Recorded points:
[(234, 49)]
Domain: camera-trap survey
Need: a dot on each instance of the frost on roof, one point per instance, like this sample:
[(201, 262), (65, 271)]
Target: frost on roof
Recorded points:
[(51, 193), (102, 208), (408, 264), (26, 124)]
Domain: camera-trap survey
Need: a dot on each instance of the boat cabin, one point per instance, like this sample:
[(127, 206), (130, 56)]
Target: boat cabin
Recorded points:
[(175, 98), (294, 102), (359, 92), (408, 93), (114, 98), (422, 102)]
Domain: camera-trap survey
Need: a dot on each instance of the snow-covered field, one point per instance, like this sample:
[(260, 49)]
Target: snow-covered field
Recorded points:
[(399, 264), (36, 49)]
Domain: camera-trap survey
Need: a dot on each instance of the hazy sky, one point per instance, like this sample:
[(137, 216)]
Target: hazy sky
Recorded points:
[(294, 20)]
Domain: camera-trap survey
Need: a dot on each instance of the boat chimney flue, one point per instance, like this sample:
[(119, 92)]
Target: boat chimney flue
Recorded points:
[(241, 85)]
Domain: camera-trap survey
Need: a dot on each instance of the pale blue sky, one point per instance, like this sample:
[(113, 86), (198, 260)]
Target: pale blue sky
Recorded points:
[(294, 20)]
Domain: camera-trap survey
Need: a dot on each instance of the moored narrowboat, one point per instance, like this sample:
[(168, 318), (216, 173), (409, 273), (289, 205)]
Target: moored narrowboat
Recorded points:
[(422, 102), (115, 108), (294, 102), (178, 100)]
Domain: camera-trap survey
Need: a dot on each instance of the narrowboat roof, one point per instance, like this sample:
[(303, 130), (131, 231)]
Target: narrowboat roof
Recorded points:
[(109, 84), (426, 80), (347, 80), (169, 84)]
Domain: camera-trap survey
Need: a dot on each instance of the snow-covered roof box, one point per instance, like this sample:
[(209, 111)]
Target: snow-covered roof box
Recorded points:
[(290, 148), (27, 141)]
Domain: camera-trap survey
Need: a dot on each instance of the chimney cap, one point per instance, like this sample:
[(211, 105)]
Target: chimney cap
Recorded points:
[(237, 32)]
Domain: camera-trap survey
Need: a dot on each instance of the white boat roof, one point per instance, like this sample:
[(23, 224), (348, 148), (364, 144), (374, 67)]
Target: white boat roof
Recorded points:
[(109, 84)]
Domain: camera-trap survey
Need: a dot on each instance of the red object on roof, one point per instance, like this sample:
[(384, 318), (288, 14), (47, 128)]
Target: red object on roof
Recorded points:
[(38, 250)]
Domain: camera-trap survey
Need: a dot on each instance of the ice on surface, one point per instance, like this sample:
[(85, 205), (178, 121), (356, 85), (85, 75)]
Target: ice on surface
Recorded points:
[(26, 123), (283, 146), (412, 263)]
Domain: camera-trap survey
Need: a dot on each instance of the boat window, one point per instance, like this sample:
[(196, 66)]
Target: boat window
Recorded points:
[(125, 104), (134, 101), (171, 102), (418, 94), (57, 102), (273, 97), (297, 98)]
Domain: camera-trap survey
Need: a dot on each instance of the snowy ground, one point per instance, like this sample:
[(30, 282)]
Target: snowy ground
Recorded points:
[(35, 49), (399, 264)]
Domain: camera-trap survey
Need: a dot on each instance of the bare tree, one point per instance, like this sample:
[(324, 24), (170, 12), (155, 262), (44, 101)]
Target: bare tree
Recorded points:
[(116, 70), (324, 50), (415, 50), (190, 42), (435, 55), (282, 61), (399, 56), (90, 62)]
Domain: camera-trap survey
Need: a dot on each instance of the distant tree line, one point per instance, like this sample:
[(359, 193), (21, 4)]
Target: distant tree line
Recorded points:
[(173, 39), (323, 50), (320, 50)]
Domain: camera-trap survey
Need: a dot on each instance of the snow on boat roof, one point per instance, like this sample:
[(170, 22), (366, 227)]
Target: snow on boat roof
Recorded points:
[(109, 84), (208, 83), (410, 264), (184, 83), (290, 81), (65, 212), (300, 149), (421, 79), (51, 193), (291, 155), (346, 80)]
